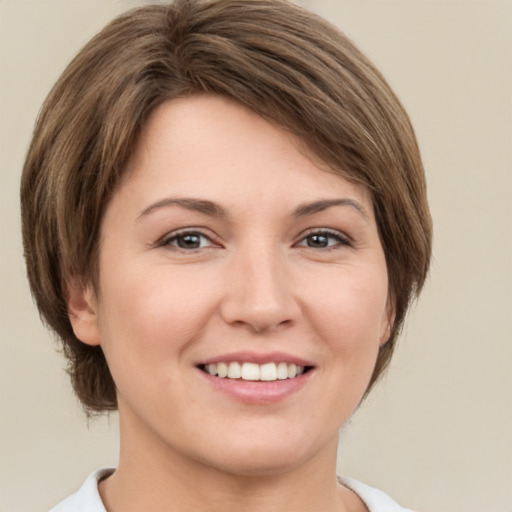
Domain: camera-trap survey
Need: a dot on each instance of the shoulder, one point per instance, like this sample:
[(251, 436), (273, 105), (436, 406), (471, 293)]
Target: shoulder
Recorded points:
[(374, 499), (87, 498)]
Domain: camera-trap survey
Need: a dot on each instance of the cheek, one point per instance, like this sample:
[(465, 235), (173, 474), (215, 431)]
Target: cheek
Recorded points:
[(347, 316), (149, 314), (352, 307)]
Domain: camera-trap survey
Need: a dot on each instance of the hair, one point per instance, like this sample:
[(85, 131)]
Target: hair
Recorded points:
[(286, 64)]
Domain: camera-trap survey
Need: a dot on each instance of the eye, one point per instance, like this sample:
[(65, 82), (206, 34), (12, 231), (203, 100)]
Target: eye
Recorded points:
[(188, 240), (324, 239)]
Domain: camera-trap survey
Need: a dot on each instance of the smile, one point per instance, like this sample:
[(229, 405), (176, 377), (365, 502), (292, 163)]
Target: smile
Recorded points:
[(254, 372)]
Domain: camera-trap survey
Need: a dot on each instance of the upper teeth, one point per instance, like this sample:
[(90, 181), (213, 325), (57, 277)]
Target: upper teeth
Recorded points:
[(253, 371)]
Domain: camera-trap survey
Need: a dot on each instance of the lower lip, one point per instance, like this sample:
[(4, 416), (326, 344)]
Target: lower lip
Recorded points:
[(257, 392)]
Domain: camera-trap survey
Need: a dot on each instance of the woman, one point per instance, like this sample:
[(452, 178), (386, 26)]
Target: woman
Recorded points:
[(224, 220)]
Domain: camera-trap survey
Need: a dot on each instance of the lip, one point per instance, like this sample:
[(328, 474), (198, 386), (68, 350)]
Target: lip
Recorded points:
[(258, 358), (257, 392)]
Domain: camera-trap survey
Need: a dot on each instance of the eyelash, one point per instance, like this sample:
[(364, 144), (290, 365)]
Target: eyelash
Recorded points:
[(174, 237), (341, 240)]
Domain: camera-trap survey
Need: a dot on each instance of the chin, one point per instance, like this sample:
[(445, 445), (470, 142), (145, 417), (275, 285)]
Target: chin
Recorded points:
[(266, 456), (259, 464)]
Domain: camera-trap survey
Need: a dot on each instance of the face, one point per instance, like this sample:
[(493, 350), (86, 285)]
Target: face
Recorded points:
[(242, 293)]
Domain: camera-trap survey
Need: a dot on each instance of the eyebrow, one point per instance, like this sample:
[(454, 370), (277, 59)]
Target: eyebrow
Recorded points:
[(306, 209), (199, 205), (215, 210)]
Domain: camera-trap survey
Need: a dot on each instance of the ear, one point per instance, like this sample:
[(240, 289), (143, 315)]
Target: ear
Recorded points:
[(388, 321), (82, 311)]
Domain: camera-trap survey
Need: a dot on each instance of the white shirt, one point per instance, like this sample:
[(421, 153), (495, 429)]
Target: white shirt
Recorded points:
[(87, 498)]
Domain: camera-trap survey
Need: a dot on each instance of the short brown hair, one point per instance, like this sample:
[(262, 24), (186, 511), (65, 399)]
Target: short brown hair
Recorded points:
[(283, 62)]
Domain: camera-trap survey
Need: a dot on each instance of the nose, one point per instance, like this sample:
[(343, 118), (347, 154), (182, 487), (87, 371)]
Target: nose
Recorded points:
[(259, 292)]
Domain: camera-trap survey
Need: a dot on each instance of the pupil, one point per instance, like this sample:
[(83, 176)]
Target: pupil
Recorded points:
[(189, 241), (317, 241)]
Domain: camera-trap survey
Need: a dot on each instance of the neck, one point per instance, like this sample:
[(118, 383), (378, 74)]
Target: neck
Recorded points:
[(153, 476)]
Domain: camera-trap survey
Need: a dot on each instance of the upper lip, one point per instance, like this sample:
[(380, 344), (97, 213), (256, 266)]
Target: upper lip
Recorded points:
[(258, 358)]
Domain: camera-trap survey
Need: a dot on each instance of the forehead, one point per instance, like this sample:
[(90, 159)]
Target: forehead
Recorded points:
[(212, 146)]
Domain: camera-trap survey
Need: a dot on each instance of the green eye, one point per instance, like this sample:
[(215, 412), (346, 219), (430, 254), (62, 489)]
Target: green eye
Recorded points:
[(318, 241), (323, 240), (189, 240)]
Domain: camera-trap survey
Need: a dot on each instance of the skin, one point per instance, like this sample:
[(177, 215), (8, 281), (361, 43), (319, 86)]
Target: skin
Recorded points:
[(257, 279)]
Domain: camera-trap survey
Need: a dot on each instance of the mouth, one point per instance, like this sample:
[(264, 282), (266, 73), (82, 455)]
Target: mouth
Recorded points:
[(250, 371)]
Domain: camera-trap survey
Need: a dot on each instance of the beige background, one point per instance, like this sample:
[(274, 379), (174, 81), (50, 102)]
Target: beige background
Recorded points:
[(437, 434)]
